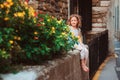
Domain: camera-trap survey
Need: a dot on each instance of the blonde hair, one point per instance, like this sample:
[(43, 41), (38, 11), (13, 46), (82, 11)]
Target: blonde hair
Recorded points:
[(78, 17)]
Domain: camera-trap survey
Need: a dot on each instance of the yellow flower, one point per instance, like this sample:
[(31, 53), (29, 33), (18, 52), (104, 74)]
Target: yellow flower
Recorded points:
[(63, 33), (35, 32), (67, 28), (31, 12), (1, 6), (59, 22), (43, 23), (26, 7), (18, 38), (34, 20), (53, 29), (23, 12), (9, 1), (25, 3), (7, 11), (11, 41), (48, 20), (8, 6), (72, 34), (19, 14), (5, 4), (15, 15), (15, 37), (6, 18)]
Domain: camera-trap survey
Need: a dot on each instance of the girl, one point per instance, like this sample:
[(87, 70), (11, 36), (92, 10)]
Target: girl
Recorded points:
[(74, 23)]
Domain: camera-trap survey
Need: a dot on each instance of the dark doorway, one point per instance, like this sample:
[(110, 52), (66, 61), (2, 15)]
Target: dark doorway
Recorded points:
[(83, 8), (86, 13)]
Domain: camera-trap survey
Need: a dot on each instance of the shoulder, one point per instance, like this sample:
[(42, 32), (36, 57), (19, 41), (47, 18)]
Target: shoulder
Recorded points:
[(79, 29)]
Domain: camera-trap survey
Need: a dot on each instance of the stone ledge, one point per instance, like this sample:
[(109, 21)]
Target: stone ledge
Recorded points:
[(64, 68)]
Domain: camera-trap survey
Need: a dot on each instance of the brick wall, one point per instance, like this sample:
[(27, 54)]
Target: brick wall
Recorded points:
[(57, 8)]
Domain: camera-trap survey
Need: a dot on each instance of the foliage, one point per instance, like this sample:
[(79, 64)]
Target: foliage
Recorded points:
[(14, 15), (25, 35), (49, 36)]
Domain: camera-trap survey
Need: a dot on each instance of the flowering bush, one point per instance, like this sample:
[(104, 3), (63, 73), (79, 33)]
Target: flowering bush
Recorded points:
[(33, 36), (14, 15), (49, 37)]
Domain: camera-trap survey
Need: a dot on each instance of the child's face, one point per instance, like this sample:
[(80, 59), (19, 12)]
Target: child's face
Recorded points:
[(74, 22)]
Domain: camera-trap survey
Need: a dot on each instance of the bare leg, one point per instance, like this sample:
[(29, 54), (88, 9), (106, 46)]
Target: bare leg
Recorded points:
[(84, 66)]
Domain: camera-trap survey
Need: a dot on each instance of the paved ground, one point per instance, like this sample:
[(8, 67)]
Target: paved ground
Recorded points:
[(108, 72), (110, 69)]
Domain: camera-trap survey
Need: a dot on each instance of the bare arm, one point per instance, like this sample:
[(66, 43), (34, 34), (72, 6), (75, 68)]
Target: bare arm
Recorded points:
[(80, 37)]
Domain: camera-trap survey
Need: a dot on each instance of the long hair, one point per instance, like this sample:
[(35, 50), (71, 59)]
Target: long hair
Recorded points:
[(78, 17)]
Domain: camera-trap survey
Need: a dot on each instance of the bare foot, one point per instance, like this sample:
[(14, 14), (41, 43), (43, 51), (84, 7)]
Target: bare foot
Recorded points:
[(85, 68)]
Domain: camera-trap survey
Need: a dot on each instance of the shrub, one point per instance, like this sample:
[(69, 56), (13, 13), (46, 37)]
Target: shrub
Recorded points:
[(49, 37), (25, 35), (14, 15)]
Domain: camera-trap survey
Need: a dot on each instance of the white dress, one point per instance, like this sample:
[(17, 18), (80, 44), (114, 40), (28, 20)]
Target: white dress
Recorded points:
[(80, 46)]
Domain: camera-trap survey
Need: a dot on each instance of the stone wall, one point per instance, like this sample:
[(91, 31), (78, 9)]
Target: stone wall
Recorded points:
[(63, 68), (99, 17), (103, 17), (57, 8), (99, 12)]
